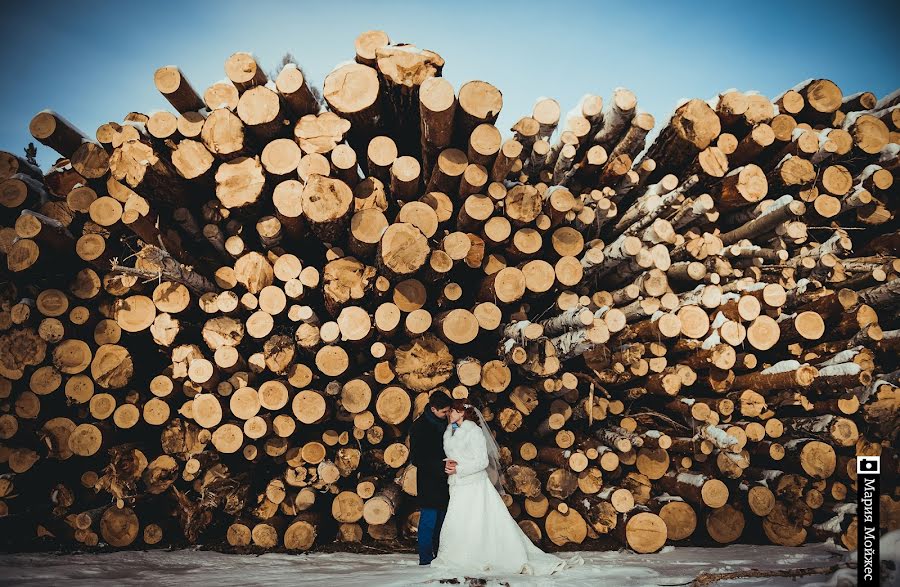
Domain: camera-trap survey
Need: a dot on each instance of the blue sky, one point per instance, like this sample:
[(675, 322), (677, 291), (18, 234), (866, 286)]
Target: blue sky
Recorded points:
[(93, 61)]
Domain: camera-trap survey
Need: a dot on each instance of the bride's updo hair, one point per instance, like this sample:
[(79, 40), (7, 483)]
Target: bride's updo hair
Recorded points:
[(468, 410)]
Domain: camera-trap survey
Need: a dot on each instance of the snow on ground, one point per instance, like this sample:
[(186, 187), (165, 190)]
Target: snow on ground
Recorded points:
[(186, 568)]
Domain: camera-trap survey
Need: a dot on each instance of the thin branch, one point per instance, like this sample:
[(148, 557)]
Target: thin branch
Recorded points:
[(704, 579), (591, 379), (831, 228), (661, 417), (167, 268)]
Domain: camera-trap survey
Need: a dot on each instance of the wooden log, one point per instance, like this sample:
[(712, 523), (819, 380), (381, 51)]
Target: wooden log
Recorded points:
[(478, 102), (302, 532), (56, 132), (11, 165), (224, 134), (696, 488), (381, 507), (294, 88), (320, 133), (326, 206), (240, 182), (193, 161), (742, 186), (403, 69), (261, 109), (352, 92), (437, 106), (171, 83), (119, 526), (221, 94), (20, 191), (244, 72), (402, 250), (820, 98), (644, 532), (691, 129)]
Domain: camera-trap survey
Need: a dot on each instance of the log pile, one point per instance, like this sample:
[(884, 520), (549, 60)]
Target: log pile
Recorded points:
[(218, 322)]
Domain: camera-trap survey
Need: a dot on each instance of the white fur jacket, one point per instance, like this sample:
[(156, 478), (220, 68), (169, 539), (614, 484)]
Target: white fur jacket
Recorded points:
[(466, 446)]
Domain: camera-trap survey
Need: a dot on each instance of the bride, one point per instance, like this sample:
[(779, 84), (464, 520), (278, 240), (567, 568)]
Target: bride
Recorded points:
[(479, 534)]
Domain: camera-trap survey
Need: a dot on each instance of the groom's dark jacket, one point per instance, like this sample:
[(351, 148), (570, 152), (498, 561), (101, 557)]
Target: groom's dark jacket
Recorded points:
[(426, 443)]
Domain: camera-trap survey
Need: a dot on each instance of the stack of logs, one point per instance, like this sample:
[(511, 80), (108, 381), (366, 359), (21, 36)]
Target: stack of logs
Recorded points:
[(217, 323)]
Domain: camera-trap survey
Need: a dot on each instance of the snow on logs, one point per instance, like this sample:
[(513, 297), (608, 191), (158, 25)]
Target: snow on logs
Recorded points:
[(224, 318)]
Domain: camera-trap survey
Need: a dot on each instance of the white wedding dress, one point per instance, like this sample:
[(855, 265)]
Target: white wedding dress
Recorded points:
[(479, 534)]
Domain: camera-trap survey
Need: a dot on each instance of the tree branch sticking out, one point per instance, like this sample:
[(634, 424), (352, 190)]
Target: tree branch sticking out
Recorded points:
[(166, 268), (704, 579)]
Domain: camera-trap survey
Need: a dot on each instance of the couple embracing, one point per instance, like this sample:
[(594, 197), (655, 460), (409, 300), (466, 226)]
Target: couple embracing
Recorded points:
[(463, 522)]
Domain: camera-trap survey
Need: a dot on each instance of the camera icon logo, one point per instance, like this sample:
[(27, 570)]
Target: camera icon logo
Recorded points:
[(868, 465)]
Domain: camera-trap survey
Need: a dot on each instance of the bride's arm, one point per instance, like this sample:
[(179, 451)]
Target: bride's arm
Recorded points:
[(476, 457)]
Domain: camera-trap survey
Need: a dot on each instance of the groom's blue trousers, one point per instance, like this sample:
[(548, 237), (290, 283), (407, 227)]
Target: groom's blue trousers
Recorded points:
[(429, 533)]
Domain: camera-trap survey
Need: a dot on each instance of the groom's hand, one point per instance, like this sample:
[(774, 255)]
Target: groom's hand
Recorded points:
[(450, 467)]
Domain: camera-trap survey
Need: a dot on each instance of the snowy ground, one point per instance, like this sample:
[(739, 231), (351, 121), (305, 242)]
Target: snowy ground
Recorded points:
[(184, 568)]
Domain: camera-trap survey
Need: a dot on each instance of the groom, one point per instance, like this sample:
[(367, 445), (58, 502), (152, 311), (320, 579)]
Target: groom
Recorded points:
[(426, 443)]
